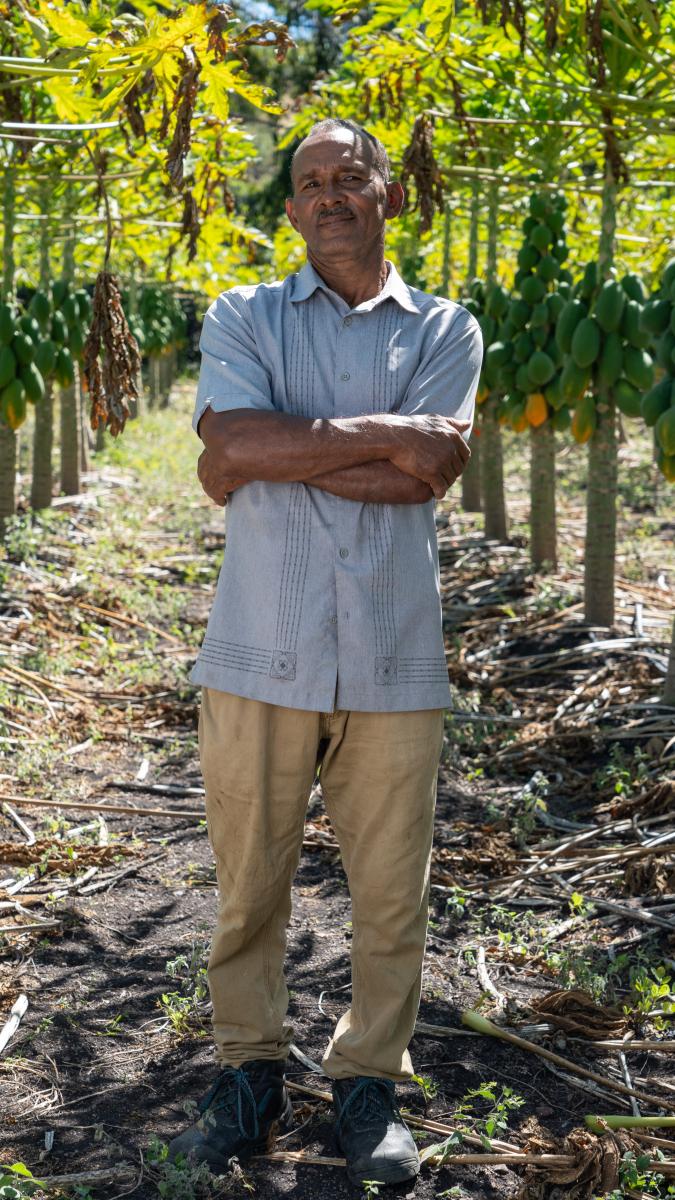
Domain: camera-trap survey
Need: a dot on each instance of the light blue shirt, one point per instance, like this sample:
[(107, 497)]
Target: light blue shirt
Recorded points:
[(324, 603)]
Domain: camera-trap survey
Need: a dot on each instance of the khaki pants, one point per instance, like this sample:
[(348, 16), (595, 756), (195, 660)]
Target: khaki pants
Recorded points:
[(378, 777)]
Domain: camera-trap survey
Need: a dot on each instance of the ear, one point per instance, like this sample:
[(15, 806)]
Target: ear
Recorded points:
[(395, 200), (290, 213)]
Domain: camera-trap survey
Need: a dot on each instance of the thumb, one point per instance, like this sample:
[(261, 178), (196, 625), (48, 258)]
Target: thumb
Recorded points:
[(459, 424)]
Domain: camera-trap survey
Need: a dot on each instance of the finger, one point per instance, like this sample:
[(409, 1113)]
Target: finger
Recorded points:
[(458, 423)]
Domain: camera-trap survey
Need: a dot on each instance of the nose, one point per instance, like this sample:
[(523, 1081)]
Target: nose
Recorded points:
[(332, 193)]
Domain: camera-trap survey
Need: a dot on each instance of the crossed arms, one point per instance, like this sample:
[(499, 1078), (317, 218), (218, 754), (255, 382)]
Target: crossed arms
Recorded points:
[(382, 459)]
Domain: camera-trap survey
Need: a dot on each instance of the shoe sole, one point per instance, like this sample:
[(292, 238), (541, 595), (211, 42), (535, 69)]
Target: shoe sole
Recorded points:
[(401, 1173)]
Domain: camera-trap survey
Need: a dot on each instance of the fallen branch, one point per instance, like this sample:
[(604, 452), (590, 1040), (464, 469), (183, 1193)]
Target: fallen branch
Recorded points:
[(11, 1025), (111, 808), (482, 1025)]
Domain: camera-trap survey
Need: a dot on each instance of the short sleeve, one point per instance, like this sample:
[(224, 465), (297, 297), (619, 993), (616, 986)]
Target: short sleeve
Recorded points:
[(446, 380), (231, 374)]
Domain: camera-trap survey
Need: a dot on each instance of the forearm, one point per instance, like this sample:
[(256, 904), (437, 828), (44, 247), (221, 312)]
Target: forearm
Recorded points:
[(373, 483), (281, 448)]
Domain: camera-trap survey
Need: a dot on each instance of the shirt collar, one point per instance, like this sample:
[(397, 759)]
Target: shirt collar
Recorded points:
[(308, 280)]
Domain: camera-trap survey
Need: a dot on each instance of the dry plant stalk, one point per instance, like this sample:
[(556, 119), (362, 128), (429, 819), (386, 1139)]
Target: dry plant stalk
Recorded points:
[(111, 358), (420, 162)]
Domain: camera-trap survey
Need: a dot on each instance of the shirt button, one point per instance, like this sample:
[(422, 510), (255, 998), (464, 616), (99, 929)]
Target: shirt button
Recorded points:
[(344, 552), (344, 375), (333, 620), (348, 320)]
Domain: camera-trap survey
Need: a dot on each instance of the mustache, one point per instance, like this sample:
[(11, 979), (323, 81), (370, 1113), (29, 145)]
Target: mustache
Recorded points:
[(336, 212)]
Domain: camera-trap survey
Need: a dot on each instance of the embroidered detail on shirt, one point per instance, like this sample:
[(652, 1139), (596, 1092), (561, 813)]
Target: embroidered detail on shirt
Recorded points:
[(234, 656), (381, 547), (385, 364), (301, 388), (294, 568), (283, 664), (385, 670), (422, 670)]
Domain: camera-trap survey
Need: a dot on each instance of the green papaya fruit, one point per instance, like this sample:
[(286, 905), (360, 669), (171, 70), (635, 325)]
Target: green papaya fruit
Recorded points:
[(40, 307), (519, 313), (589, 280), (505, 333), (610, 362), (497, 354), (77, 339), (539, 335), (556, 220), (668, 276), (634, 288), (45, 357), (60, 290), (7, 326), (528, 257), (573, 312), (13, 404), (672, 320), (59, 329), (553, 393), (476, 290), (540, 368), (555, 302), (574, 380), (523, 347), (562, 419), (585, 346), (560, 252), (29, 326), (542, 237), (664, 349), (539, 206), (665, 431), (609, 305), (540, 314), (533, 289), (630, 328), (33, 383), (655, 316), (547, 268), (628, 398), (70, 310), (497, 301), (656, 401), (7, 366), (638, 368), (529, 224), (466, 302), (63, 367), (23, 348), (567, 277), (553, 350), (84, 304), (523, 381)]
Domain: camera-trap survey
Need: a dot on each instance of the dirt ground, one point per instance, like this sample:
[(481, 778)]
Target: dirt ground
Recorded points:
[(102, 609)]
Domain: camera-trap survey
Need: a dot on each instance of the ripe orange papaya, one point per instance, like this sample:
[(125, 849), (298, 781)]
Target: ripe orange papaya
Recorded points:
[(584, 420), (536, 409)]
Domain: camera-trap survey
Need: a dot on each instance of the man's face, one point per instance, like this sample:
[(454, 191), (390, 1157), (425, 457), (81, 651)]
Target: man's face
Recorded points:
[(340, 201)]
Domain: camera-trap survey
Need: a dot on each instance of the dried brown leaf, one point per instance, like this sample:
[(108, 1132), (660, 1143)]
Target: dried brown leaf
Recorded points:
[(111, 359), (576, 1012)]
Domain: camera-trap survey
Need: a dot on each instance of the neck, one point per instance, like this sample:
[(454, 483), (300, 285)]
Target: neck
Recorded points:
[(354, 281)]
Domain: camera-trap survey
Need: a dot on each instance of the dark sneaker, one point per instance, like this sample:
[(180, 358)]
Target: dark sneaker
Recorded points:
[(238, 1115), (371, 1132)]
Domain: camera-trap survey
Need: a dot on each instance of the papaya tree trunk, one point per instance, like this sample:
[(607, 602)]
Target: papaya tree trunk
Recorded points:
[(43, 439), (71, 426), (100, 437), (71, 434), (447, 240), (471, 477), (492, 471), (543, 541), (155, 389), (600, 553), (491, 451), (43, 428), (474, 217), (8, 440), (85, 427), (669, 685)]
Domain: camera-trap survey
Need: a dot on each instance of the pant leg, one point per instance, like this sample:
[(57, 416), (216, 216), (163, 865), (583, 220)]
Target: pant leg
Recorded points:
[(258, 762), (378, 778)]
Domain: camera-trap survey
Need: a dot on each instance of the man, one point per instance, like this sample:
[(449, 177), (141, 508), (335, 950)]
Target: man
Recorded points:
[(331, 406)]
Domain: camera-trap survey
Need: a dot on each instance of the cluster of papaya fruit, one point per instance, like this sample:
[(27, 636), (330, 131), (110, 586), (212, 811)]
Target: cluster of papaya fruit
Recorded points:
[(488, 303), (532, 369), (38, 345), (658, 405), (158, 320), (601, 334)]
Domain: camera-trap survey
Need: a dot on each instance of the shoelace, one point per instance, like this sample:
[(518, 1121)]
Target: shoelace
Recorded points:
[(232, 1093), (370, 1099)]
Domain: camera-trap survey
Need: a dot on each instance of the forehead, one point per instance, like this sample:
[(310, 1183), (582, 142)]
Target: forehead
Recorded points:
[(334, 148)]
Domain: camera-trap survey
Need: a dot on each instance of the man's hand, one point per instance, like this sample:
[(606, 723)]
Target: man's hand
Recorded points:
[(432, 449), (215, 483)]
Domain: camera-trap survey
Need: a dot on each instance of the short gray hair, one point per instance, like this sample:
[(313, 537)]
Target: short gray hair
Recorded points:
[(380, 156)]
